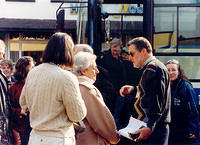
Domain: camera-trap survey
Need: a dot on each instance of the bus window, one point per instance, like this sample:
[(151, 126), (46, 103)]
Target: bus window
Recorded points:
[(165, 35), (189, 30)]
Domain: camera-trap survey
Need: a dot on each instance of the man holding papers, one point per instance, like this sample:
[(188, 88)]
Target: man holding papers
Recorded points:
[(153, 93)]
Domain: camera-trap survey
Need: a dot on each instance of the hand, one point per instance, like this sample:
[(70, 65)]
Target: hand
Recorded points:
[(144, 134), (118, 135), (192, 136), (127, 89), (23, 112)]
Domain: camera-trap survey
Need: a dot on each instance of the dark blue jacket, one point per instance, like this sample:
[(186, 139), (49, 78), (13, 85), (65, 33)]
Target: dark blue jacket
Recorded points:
[(184, 113)]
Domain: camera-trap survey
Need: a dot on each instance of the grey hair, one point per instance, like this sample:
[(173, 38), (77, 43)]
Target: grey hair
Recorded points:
[(116, 42), (83, 47), (83, 60)]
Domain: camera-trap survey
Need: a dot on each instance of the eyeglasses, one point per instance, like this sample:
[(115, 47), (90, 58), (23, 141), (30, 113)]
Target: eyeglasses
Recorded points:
[(172, 61), (116, 51)]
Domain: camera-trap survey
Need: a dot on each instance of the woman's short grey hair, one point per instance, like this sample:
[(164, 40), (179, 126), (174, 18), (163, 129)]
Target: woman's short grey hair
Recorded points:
[(83, 60)]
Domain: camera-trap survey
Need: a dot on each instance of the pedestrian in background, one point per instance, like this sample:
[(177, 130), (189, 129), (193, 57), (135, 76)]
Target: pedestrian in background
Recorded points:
[(6, 136), (184, 114), (7, 69), (52, 96), (113, 63), (19, 118), (153, 93)]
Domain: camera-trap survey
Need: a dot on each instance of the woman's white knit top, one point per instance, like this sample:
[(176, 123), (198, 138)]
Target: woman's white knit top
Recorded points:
[(52, 96)]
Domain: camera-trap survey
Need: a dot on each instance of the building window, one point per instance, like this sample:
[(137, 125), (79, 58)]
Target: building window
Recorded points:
[(31, 44), (189, 30), (165, 24)]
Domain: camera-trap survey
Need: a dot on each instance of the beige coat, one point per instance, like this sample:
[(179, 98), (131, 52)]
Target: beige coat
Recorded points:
[(100, 125)]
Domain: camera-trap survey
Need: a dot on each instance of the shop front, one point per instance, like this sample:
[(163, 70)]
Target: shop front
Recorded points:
[(30, 36)]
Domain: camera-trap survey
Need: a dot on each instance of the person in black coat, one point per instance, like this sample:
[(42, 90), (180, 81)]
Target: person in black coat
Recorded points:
[(106, 88), (113, 63)]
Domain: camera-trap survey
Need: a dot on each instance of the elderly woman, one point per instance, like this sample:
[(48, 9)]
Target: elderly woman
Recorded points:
[(52, 95), (100, 125)]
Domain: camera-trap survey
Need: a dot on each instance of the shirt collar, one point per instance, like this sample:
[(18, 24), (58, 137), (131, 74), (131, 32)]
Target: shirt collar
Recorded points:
[(148, 60), (9, 79)]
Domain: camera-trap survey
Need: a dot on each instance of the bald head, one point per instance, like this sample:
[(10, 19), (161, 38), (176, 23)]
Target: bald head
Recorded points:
[(2, 50), (83, 48)]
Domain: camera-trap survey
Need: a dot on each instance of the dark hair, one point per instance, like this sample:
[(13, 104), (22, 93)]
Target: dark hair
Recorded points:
[(140, 43), (59, 50), (180, 70), (21, 70)]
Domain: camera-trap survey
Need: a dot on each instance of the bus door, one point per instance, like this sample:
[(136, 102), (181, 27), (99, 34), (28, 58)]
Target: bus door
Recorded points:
[(107, 19)]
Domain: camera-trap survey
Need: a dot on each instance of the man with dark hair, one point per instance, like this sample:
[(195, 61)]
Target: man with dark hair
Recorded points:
[(5, 130), (153, 93)]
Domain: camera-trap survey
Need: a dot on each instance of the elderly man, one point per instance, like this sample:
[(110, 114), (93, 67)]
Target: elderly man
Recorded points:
[(112, 61), (5, 131), (153, 93), (114, 64)]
